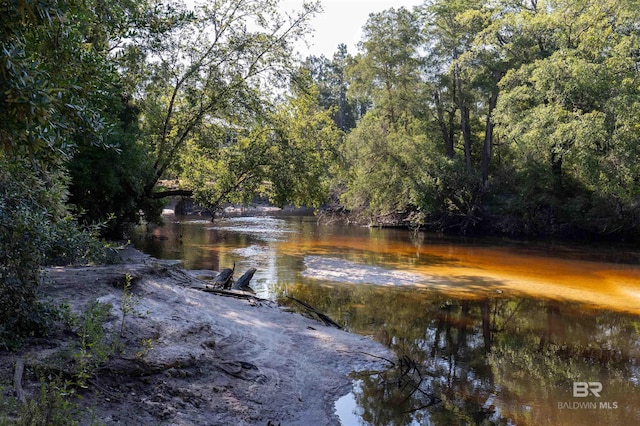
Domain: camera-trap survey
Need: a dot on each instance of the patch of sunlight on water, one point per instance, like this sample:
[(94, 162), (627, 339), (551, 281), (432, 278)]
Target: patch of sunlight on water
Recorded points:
[(340, 270), (265, 228)]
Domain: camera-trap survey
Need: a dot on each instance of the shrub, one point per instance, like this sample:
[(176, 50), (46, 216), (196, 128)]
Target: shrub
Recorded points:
[(35, 229)]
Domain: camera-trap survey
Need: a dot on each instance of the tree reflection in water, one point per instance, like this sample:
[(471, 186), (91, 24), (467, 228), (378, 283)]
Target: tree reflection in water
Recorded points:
[(489, 360), (480, 357)]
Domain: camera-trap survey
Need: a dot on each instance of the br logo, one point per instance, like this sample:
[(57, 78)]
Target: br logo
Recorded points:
[(583, 389)]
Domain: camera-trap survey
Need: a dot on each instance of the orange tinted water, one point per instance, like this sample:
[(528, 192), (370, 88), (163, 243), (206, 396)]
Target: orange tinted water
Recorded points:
[(593, 276), (465, 268), (498, 331)]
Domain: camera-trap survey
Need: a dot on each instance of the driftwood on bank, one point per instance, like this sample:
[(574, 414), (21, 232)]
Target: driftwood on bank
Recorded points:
[(225, 278), (244, 280), (323, 317), (229, 293), (237, 294)]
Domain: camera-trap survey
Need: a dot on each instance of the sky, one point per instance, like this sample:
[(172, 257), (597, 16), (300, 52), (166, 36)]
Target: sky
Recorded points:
[(341, 22)]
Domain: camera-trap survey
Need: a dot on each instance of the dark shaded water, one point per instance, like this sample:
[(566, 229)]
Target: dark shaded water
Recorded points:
[(487, 332)]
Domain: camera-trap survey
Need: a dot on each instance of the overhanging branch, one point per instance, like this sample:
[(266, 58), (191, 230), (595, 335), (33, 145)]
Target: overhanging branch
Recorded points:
[(172, 193)]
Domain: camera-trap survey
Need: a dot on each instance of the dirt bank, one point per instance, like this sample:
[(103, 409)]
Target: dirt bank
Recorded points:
[(210, 360)]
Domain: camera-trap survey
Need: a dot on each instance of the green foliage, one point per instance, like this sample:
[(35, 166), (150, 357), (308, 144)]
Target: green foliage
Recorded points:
[(61, 95), (330, 77), (52, 407), (287, 159), (563, 117), (213, 63), (128, 302), (94, 347), (27, 204), (304, 157), (56, 403), (107, 185), (146, 347), (498, 117), (421, 185), (76, 244), (376, 155), (389, 69), (222, 174), (52, 78), (79, 360), (35, 229)]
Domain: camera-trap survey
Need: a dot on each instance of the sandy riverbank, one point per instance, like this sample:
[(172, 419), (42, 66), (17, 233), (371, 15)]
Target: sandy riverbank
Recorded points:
[(213, 360)]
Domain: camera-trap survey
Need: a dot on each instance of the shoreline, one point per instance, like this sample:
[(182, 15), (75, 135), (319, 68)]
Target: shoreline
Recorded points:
[(191, 357)]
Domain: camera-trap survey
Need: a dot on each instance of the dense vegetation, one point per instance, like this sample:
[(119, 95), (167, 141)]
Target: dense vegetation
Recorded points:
[(516, 117), (102, 100)]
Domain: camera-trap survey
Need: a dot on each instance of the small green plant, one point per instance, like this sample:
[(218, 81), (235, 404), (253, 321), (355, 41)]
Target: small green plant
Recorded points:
[(53, 406), (56, 402), (67, 317), (146, 346), (129, 301), (94, 348)]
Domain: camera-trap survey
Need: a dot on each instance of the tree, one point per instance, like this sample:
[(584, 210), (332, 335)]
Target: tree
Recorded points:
[(288, 158), (56, 79), (217, 62), (388, 68), (567, 113), (388, 145), (107, 180), (330, 76), (451, 30), (52, 77), (399, 140), (375, 155), (107, 185)]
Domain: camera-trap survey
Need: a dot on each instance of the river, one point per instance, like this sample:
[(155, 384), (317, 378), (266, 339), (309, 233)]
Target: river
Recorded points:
[(487, 331)]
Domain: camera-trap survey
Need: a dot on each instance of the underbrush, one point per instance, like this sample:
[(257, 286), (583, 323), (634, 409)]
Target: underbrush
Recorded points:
[(36, 230), (69, 371)]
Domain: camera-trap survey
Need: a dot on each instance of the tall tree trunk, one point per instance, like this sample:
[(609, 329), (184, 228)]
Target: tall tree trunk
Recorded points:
[(341, 112), (556, 168), (447, 136), (464, 116), (488, 138), (342, 105), (393, 121)]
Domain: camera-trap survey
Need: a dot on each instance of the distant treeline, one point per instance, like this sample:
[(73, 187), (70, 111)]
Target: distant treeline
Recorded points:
[(509, 117)]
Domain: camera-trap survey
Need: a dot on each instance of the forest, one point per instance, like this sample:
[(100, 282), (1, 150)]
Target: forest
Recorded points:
[(511, 117), (507, 117)]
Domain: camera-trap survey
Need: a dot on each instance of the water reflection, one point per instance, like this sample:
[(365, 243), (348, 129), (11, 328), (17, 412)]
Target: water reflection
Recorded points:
[(485, 332), (494, 360)]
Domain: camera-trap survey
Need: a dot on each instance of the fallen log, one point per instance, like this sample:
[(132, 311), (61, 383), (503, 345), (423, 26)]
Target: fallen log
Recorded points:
[(323, 317), (236, 294), (228, 293)]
